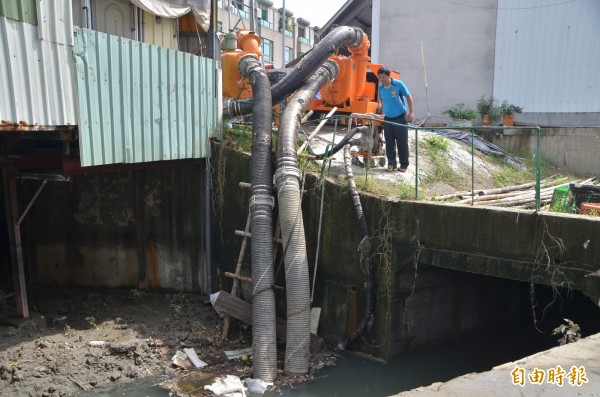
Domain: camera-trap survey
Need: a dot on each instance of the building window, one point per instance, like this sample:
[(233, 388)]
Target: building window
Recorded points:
[(263, 19), (301, 31), (288, 26), (240, 9), (219, 26), (303, 36), (288, 55), (299, 54), (266, 47)]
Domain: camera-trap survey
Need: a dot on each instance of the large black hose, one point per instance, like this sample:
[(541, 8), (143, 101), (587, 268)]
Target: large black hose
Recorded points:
[(264, 343), (287, 179), (339, 146), (348, 36), (368, 316)]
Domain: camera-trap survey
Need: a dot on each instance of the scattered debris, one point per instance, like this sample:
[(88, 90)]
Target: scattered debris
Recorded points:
[(226, 303), (121, 348), (180, 359), (96, 343), (235, 354), (191, 355), (256, 386), (229, 386)]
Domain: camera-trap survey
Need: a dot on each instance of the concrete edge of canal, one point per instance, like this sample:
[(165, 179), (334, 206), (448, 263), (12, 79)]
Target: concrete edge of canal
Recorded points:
[(584, 355)]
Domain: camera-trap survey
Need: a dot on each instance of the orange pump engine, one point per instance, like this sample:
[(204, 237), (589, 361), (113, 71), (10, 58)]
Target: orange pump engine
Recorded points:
[(355, 88), (353, 91), (234, 46)]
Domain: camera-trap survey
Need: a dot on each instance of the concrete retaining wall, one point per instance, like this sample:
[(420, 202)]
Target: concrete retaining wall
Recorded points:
[(572, 149), (432, 263), (84, 232), (425, 258)]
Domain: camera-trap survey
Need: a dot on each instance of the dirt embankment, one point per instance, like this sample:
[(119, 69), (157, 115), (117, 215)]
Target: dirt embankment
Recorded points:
[(138, 334)]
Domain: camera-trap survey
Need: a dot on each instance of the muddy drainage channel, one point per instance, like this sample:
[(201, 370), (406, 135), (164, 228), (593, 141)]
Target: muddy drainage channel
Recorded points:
[(354, 375)]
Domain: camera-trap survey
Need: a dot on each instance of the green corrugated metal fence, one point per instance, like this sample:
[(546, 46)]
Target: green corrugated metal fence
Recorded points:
[(141, 103), (20, 10)]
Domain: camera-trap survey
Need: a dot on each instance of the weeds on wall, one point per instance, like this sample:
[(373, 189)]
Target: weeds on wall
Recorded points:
[(568, 332), (382, 240), (547, 260)]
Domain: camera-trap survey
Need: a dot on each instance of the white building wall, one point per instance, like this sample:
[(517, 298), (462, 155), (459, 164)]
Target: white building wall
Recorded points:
[(458, 42)]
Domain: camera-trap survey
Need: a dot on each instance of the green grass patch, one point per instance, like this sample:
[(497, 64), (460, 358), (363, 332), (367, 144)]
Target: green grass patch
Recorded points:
[(508, 175), (401, 190), (436, 143), (436, 147)]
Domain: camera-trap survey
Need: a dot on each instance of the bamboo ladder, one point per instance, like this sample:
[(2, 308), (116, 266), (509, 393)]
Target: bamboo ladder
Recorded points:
[(237, 277)]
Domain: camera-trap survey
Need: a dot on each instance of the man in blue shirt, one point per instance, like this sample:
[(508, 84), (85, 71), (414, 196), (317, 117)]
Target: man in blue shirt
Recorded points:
[(397, 108)]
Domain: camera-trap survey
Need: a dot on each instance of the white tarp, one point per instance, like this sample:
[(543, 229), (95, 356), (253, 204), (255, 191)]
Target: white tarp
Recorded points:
[(177, 8)]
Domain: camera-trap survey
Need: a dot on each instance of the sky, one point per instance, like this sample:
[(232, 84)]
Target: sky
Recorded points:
[(317, 12)]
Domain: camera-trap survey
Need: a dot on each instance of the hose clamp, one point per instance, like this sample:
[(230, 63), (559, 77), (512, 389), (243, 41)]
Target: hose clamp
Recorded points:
[(247, 64), (286, 171), (262, 200), (359, 37), (332, 69)]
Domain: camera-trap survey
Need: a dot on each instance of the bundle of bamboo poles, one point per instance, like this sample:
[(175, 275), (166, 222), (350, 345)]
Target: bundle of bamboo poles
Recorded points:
[(519, 196)]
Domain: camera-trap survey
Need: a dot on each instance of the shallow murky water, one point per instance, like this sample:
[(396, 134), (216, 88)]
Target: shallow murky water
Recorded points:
[(356, 376)]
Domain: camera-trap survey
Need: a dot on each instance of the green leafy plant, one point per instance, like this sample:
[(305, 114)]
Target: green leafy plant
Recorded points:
[(436, 143), (507, 108), (68, 331), (460, 112), (91, 322), (487, 107), (569, 332)]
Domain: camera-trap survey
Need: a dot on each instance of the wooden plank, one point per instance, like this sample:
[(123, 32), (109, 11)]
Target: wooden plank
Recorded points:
[(242, 310), (247, 279), (238, 271)]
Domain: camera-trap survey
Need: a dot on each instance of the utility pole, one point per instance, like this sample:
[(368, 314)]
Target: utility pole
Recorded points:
[(283, 35)]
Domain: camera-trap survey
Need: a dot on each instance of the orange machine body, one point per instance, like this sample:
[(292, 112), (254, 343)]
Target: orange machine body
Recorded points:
[(234, 85), (355, 88)]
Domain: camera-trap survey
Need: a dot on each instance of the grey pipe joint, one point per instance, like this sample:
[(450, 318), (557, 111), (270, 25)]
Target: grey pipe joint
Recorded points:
[(359, 37), (332, 69), (248, 64), (262, 200), (286, 171)]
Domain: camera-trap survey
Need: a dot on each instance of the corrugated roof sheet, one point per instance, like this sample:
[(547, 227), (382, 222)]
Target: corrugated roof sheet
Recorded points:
[(141, 103), (20, 10), (36, 76)]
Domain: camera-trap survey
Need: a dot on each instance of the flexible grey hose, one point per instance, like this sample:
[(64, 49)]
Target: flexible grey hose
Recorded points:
[(348, 36), (287, 178), (264, 343)]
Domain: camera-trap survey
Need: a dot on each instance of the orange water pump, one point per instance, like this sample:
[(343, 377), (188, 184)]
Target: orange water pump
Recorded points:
[(355, 88), (234, 46)]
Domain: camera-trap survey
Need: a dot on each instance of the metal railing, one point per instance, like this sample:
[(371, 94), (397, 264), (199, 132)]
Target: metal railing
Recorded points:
[(469, 129), (265, 23)]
